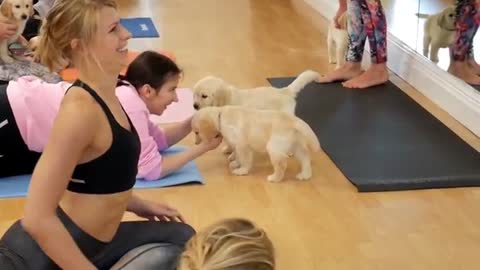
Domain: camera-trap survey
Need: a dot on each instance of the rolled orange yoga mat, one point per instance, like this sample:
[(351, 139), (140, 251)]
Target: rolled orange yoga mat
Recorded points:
[(71, 74)]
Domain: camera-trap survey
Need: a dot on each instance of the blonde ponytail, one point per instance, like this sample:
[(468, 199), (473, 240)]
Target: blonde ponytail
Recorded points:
[(66, 21)]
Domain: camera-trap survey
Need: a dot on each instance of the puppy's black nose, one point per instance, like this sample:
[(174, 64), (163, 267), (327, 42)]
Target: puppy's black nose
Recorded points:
[(24, 17), (195, 106)]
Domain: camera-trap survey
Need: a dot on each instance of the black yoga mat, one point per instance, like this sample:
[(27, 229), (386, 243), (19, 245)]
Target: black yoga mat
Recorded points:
[(382, 140)]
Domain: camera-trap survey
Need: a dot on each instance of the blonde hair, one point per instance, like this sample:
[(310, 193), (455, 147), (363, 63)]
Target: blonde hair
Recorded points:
[(231, 244), (68, 20)]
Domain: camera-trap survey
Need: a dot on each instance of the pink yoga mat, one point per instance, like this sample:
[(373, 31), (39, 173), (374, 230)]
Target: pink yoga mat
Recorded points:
[(178, 111)]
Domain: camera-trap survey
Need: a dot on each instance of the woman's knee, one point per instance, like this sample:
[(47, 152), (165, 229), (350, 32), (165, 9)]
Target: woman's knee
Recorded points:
[(183, 233)]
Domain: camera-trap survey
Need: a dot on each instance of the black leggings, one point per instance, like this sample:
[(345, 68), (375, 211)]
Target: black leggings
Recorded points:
[(15, 157), (19, 247)]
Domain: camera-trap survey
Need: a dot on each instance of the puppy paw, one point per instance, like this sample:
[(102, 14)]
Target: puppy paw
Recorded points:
[(274, 178), (227, 150), (240, 171), (302, 176), (234, 164), (231, 157)]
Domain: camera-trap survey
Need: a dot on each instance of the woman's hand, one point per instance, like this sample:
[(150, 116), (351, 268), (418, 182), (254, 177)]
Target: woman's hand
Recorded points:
[(154, 211), (7, 29), (212, 144)]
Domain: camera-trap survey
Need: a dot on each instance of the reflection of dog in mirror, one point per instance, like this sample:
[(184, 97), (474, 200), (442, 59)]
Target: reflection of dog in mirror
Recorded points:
[(280, 134), (337, 41), (439, 32)]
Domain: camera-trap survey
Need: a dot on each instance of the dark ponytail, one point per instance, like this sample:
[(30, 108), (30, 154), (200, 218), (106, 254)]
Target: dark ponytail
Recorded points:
[(150, 68)]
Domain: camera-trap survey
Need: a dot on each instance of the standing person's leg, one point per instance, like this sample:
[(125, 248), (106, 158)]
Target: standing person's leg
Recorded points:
[(474, 66), (356, 42), (375, 25), (467, 21)]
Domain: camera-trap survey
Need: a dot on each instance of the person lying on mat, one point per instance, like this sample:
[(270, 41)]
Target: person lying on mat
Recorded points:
[(81, 186), (234, 243), (148, 87)]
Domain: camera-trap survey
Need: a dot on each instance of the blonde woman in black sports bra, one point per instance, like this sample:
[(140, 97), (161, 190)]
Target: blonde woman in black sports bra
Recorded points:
[(82, 184)]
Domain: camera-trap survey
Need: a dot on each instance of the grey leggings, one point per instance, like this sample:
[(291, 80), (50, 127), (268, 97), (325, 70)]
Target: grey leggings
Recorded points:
[(18, 251)]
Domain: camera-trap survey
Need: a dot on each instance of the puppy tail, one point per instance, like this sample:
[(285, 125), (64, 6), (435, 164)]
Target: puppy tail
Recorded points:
[(301, 81), (308, 134)]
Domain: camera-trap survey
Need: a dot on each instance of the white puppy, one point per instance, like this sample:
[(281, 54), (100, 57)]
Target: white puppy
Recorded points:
[(213, 91), (16, 11), (439, 32), (280, 134), (337, 41)]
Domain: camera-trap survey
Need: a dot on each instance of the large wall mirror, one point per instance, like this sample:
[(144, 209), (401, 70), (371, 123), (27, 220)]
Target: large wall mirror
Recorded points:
[(411, 24), (428, 27)]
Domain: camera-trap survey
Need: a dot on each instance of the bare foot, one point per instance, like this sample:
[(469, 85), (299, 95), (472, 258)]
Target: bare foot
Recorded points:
[(376, 74), (461, 70), (474, 66), (345, 72)]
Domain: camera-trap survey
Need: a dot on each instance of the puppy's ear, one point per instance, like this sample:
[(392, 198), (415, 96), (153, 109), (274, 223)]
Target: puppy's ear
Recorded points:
[(207, 128), (198, 140), (443, 20), (6, 9), (31, 13), (222, 96)]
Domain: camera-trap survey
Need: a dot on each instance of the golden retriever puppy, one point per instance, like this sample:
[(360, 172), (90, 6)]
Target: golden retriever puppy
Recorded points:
[(439, 32), (337, 41), (278, 133), (213, 91), (16, 11)]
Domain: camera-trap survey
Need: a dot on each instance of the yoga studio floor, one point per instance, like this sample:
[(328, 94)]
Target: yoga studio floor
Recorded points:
[(323, 223)]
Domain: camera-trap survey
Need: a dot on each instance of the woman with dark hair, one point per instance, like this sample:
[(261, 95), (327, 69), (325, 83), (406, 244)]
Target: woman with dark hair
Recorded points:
[(29, 106)]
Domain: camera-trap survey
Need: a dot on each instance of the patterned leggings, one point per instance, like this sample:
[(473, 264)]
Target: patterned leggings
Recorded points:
[(467, 22), (366, 19)]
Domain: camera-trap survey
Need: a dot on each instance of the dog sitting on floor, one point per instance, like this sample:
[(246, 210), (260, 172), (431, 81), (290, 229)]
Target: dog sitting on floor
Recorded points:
[(337, 41), (439, 32), (278, 133), (17, 11)]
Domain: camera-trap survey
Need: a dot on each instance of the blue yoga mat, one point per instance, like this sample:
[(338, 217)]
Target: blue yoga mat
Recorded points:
[(17, 186), (141, 27)]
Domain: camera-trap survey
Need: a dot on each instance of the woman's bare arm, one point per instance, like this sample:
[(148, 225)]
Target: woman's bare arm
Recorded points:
[(73, 131), (175, 132)]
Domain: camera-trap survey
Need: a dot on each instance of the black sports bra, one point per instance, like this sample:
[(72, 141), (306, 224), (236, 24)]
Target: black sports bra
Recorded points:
[(116, 169)]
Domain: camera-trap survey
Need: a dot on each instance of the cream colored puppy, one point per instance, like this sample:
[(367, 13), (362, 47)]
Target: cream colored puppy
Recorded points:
[(337, 41), (439, 32), (280, 134), (16, 11), (213, 91)]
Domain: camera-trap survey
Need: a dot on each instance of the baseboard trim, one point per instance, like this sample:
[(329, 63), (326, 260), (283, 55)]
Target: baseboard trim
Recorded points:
[(452, 95)]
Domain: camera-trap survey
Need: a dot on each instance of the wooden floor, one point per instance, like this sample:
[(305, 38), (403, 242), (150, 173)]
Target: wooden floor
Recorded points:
[(323, 223)]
